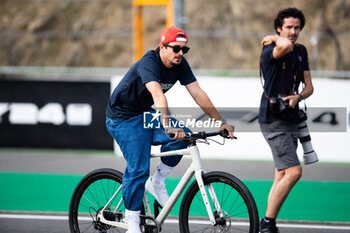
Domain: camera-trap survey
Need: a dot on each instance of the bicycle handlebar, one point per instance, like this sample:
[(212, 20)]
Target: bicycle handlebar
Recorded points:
[(204, 135)]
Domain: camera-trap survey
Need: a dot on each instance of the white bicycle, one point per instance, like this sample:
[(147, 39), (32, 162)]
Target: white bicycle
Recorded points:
[(215, 202)]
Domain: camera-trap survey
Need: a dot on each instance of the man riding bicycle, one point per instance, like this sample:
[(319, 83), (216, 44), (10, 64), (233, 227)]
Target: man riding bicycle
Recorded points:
[(144, 85)]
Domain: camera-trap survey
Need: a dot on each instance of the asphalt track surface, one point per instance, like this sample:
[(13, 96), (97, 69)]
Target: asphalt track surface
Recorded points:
[(68, 162), (60, 225)]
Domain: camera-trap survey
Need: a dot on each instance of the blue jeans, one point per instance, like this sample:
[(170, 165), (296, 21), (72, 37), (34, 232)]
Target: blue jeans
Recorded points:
[(135, 143)]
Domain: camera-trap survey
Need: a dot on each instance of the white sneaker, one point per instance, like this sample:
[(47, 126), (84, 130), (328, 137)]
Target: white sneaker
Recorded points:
[(158, 191)]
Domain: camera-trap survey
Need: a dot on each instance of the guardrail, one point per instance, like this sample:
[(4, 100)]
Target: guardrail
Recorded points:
[(108, 72)]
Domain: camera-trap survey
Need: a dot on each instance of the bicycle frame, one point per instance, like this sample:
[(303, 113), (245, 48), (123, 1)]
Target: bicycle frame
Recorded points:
[(194, 169)]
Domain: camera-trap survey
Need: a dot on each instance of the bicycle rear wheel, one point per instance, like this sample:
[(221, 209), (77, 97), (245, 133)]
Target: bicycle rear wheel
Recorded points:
[(90, 196), (238, 209)]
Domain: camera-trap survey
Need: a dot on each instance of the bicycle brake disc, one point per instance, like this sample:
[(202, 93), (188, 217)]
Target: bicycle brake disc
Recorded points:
[(223, 223)]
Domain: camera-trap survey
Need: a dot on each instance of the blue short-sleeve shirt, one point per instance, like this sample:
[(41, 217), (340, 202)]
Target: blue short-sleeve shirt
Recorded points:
[(131, 97), (281, 81)]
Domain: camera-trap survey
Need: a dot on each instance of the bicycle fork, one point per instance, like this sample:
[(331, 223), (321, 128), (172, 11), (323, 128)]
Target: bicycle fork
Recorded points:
[(205, 197)]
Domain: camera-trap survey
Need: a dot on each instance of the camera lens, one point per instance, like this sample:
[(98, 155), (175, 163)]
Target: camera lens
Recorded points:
[(310, 155)]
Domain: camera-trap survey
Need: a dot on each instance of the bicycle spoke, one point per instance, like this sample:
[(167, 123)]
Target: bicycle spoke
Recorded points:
[(88, 227), (233, 204), (235, 208), (227, 195), (104, 190), (90, 196), (201, 208), (93, 196)]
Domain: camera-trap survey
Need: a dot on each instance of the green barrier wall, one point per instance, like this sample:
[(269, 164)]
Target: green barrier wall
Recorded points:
[(309, 200)]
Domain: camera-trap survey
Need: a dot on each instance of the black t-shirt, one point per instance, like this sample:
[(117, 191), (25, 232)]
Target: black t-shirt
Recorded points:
[(131, 97), (281, 81)]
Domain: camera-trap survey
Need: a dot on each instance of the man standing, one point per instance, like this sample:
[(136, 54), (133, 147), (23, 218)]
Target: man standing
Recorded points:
[(284, 65), (144, 85)]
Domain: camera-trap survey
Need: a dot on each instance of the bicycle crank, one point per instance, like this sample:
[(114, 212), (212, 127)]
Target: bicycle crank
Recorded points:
[(108, 215)]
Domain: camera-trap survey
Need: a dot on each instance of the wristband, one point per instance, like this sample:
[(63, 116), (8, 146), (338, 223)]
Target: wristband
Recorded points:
[(300, 97), (223, 121)]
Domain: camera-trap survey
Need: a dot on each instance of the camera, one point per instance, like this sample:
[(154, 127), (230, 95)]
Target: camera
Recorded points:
[(310, 155), (280, 107)]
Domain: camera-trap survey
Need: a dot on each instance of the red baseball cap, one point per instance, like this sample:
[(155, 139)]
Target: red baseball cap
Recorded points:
[(173, 34)]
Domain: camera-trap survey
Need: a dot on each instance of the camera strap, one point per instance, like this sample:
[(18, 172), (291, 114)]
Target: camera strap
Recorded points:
[(283, 68), (295, 73), (292, 91), (261, 78), (302, 53), (261, 74)]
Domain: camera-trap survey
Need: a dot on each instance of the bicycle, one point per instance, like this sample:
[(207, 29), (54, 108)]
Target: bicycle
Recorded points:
[(215, 201)]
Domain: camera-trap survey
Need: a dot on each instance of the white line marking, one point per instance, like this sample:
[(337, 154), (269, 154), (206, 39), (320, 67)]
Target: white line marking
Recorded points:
[(175, 221), (313, 226), (33, 217)]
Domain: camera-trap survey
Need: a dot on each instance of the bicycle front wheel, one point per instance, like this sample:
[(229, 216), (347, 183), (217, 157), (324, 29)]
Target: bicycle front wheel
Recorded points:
[(235, 209), (90, 196)]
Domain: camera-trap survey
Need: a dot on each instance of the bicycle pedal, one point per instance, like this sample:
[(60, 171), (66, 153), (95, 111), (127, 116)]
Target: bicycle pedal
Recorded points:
[(156, 207), (149, 224), (150, 229)]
